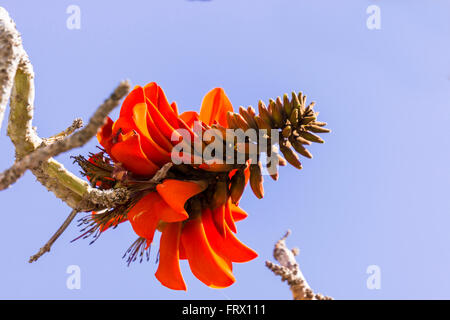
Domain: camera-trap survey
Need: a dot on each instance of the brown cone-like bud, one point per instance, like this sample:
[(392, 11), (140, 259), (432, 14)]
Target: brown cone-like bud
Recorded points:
[(251, 111), (287, 105), (316, 129), (256, 180), (276, 113), (230, 120), (248, 117), (263, 124), (281, 161), (286, 132), (237, 186), (311, 137), (303, 140), (320, 124), (274, 176), (307, 120), (240, 121), (302, 101), (264, 113), (295, 102), (290, 156), (309, 109), (294, 117), (298, 146)]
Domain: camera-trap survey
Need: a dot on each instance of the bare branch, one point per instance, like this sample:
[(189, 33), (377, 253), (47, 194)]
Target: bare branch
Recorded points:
[(78, 139), (10, 54), (289, 270), (104, 198), (58, 233), (76, 124)]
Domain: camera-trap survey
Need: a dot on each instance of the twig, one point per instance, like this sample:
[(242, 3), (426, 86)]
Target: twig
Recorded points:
[(161, 173), (58, 233), (289, 270), (78, 139), (76, 124)]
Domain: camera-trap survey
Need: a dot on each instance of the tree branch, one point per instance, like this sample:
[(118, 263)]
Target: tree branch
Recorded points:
[(58, 233), (16, 71), (289, 270), (11, 52), (78, 139)]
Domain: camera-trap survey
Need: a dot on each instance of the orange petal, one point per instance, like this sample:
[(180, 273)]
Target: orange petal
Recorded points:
[(163, 124), (133, 98), (156, 95), (134, 117), (129, 153), (190, 117), (215, 106), (166, 212), (152, 150), (218, 216), (182, 252), (104, 135), (169, 273), (237, 213), (144, 217), (228, 246), (229, 217), (175, 192), (157, 135), (205, 264), (174, 108)]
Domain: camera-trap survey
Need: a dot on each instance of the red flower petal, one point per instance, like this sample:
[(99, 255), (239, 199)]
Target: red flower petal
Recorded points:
[(175, 192), (237, 213), (156, 95), (228, 246), (182, 252), (129, 153), (215, 106), (169, 273), (152, 150), (157, 135), (104, 135), (205, 264), (190, 117), (229, 217), (218, 216), (163, 124), (144, 218), (174, 108)]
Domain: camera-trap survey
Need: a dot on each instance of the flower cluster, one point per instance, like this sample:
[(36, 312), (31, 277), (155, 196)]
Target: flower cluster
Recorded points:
[(194, 205)]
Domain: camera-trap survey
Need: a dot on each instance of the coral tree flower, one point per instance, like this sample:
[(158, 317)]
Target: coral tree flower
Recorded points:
[(141, 141)]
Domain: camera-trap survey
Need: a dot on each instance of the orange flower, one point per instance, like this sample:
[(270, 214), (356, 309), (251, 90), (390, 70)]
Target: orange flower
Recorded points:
[(141, 141)]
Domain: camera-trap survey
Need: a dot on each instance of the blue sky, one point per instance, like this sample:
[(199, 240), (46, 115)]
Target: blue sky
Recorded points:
[(376, 193)]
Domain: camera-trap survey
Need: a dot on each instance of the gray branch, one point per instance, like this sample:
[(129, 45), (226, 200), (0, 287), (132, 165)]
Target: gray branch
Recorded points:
[(289, 271), (78, 139), (11, 52)]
